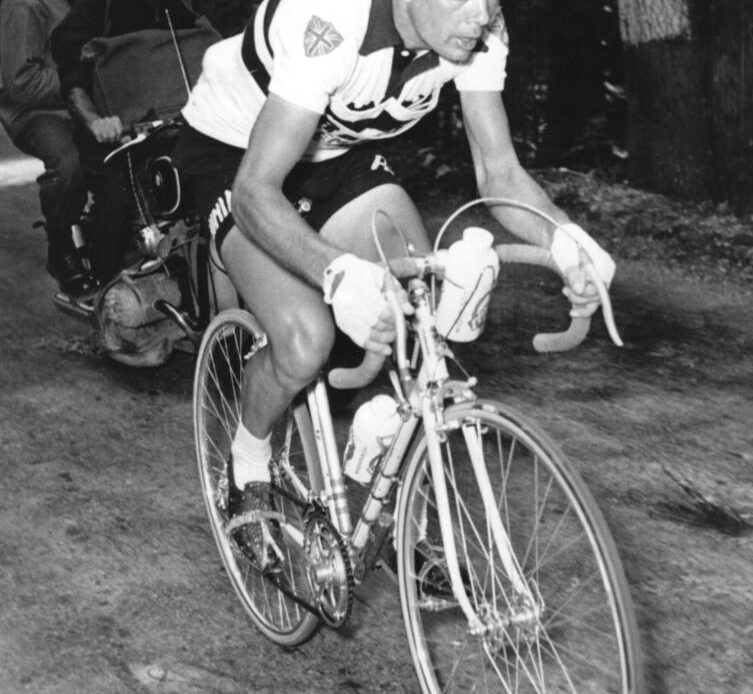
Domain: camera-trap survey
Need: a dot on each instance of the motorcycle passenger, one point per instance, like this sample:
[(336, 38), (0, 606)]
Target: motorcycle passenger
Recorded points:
[(284, 122), (34, 116), (97, 134)]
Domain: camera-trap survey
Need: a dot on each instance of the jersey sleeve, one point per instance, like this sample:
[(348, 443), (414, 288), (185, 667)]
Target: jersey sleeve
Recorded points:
[(312, 51), (488, 68)]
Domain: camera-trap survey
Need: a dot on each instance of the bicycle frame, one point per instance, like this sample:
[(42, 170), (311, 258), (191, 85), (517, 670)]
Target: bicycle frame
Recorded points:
[(423, 405), (506, 569)]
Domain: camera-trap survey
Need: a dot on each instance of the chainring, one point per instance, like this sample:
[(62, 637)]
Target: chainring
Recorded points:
[(330, 572)]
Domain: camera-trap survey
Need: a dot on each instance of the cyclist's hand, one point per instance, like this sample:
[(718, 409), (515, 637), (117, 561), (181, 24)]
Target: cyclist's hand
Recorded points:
[(107, 129), (356, 290), (578, 285)]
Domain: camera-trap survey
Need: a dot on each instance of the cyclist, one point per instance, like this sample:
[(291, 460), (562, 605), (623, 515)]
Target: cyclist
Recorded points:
[(284, 124)]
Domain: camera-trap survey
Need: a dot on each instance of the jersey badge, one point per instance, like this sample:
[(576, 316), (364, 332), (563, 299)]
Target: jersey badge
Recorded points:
[(320, 38)]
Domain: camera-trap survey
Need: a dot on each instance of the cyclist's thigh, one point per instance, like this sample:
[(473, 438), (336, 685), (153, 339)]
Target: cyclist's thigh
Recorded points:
[(351, 226), (278, 299)]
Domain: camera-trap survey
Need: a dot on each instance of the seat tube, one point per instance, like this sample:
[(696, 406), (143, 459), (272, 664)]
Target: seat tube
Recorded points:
[(326, 442)]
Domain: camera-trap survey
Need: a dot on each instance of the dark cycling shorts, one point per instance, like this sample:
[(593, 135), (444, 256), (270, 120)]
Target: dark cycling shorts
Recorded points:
[(317, 191)]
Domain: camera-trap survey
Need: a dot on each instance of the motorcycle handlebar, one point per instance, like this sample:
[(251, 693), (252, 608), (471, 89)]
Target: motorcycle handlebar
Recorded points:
[(136, 134)]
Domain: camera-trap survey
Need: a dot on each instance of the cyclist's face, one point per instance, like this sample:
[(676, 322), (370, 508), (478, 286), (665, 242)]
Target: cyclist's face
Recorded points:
[(451, 28)]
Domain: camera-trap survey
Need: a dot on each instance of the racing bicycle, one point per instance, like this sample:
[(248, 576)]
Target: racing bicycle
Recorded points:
[(509, 579)]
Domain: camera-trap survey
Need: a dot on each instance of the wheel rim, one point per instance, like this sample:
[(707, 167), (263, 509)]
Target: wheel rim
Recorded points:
[(572, 638), (227, 346)]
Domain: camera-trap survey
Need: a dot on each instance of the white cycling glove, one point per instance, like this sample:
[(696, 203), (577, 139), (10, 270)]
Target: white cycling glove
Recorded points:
[(564, 251), (353, 287)]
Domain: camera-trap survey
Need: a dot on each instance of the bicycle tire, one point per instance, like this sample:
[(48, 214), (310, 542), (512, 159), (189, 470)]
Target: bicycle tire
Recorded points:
[(585, 639), (230, 340)]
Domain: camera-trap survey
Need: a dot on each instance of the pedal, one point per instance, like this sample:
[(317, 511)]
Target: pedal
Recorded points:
[(79, 306)]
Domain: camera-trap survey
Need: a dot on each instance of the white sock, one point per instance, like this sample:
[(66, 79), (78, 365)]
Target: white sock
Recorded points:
[(251, 457)]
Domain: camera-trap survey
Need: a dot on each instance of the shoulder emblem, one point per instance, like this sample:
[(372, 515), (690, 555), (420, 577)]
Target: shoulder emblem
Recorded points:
[(320, 37)]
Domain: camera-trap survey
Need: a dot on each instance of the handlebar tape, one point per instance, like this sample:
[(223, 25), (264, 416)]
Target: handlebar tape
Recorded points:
[(561, 342), (369, 368), (358, 376), (535, 255)]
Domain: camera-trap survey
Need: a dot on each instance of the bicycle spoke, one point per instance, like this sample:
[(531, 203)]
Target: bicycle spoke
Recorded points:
[(229, 343), (563, 632), (594, 577)]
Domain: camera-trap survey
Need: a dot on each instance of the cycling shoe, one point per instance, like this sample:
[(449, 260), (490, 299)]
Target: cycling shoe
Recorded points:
[(254, 525)]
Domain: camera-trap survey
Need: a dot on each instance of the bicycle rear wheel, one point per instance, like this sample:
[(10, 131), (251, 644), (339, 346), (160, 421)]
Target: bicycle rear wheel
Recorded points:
[(230, 341), (581, 635)]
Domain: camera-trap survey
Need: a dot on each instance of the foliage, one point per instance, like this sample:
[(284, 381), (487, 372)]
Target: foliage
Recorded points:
[(704, 239)]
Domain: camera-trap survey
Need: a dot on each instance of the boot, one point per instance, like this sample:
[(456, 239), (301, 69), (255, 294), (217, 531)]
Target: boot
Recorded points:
[(65, 267)]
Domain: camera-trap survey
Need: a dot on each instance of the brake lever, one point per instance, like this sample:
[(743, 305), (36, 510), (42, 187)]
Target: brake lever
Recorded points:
[(606, 302)]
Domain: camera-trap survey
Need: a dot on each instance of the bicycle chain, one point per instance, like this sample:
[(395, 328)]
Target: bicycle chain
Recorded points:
[(313, 514), (274, 578)]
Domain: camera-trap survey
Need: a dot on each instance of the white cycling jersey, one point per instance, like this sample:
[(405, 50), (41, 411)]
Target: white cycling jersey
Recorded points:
[(344, 60)]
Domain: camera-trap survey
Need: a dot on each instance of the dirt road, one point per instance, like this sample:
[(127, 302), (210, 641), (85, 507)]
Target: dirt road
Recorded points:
[(109, 579)]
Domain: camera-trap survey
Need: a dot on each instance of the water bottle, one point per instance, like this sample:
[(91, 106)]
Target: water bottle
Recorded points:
[(471, 269), (374, 426)]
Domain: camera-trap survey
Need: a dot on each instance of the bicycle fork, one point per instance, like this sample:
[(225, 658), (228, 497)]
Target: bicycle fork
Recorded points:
[(499, 533)]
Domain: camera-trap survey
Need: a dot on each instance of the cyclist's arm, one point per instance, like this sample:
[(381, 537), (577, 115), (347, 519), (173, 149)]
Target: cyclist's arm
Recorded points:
[(498, 170), (500, 174), (278, 140)]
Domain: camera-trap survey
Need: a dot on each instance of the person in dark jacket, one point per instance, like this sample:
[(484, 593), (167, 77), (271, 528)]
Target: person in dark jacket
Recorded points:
[(37, 122), (96, 134)]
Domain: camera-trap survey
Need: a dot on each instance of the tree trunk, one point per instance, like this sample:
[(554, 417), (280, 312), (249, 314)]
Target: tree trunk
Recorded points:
[(731, 82), (669, 134)]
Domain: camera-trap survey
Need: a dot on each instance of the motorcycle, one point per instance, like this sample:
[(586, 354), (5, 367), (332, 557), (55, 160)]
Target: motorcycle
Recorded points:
[(173, 282)]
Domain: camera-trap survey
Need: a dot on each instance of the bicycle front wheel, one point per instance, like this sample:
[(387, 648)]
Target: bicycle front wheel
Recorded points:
[(568, 625), (274, 602)]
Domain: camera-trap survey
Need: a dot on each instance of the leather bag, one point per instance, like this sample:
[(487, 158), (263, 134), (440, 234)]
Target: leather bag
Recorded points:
[(144, 76)]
